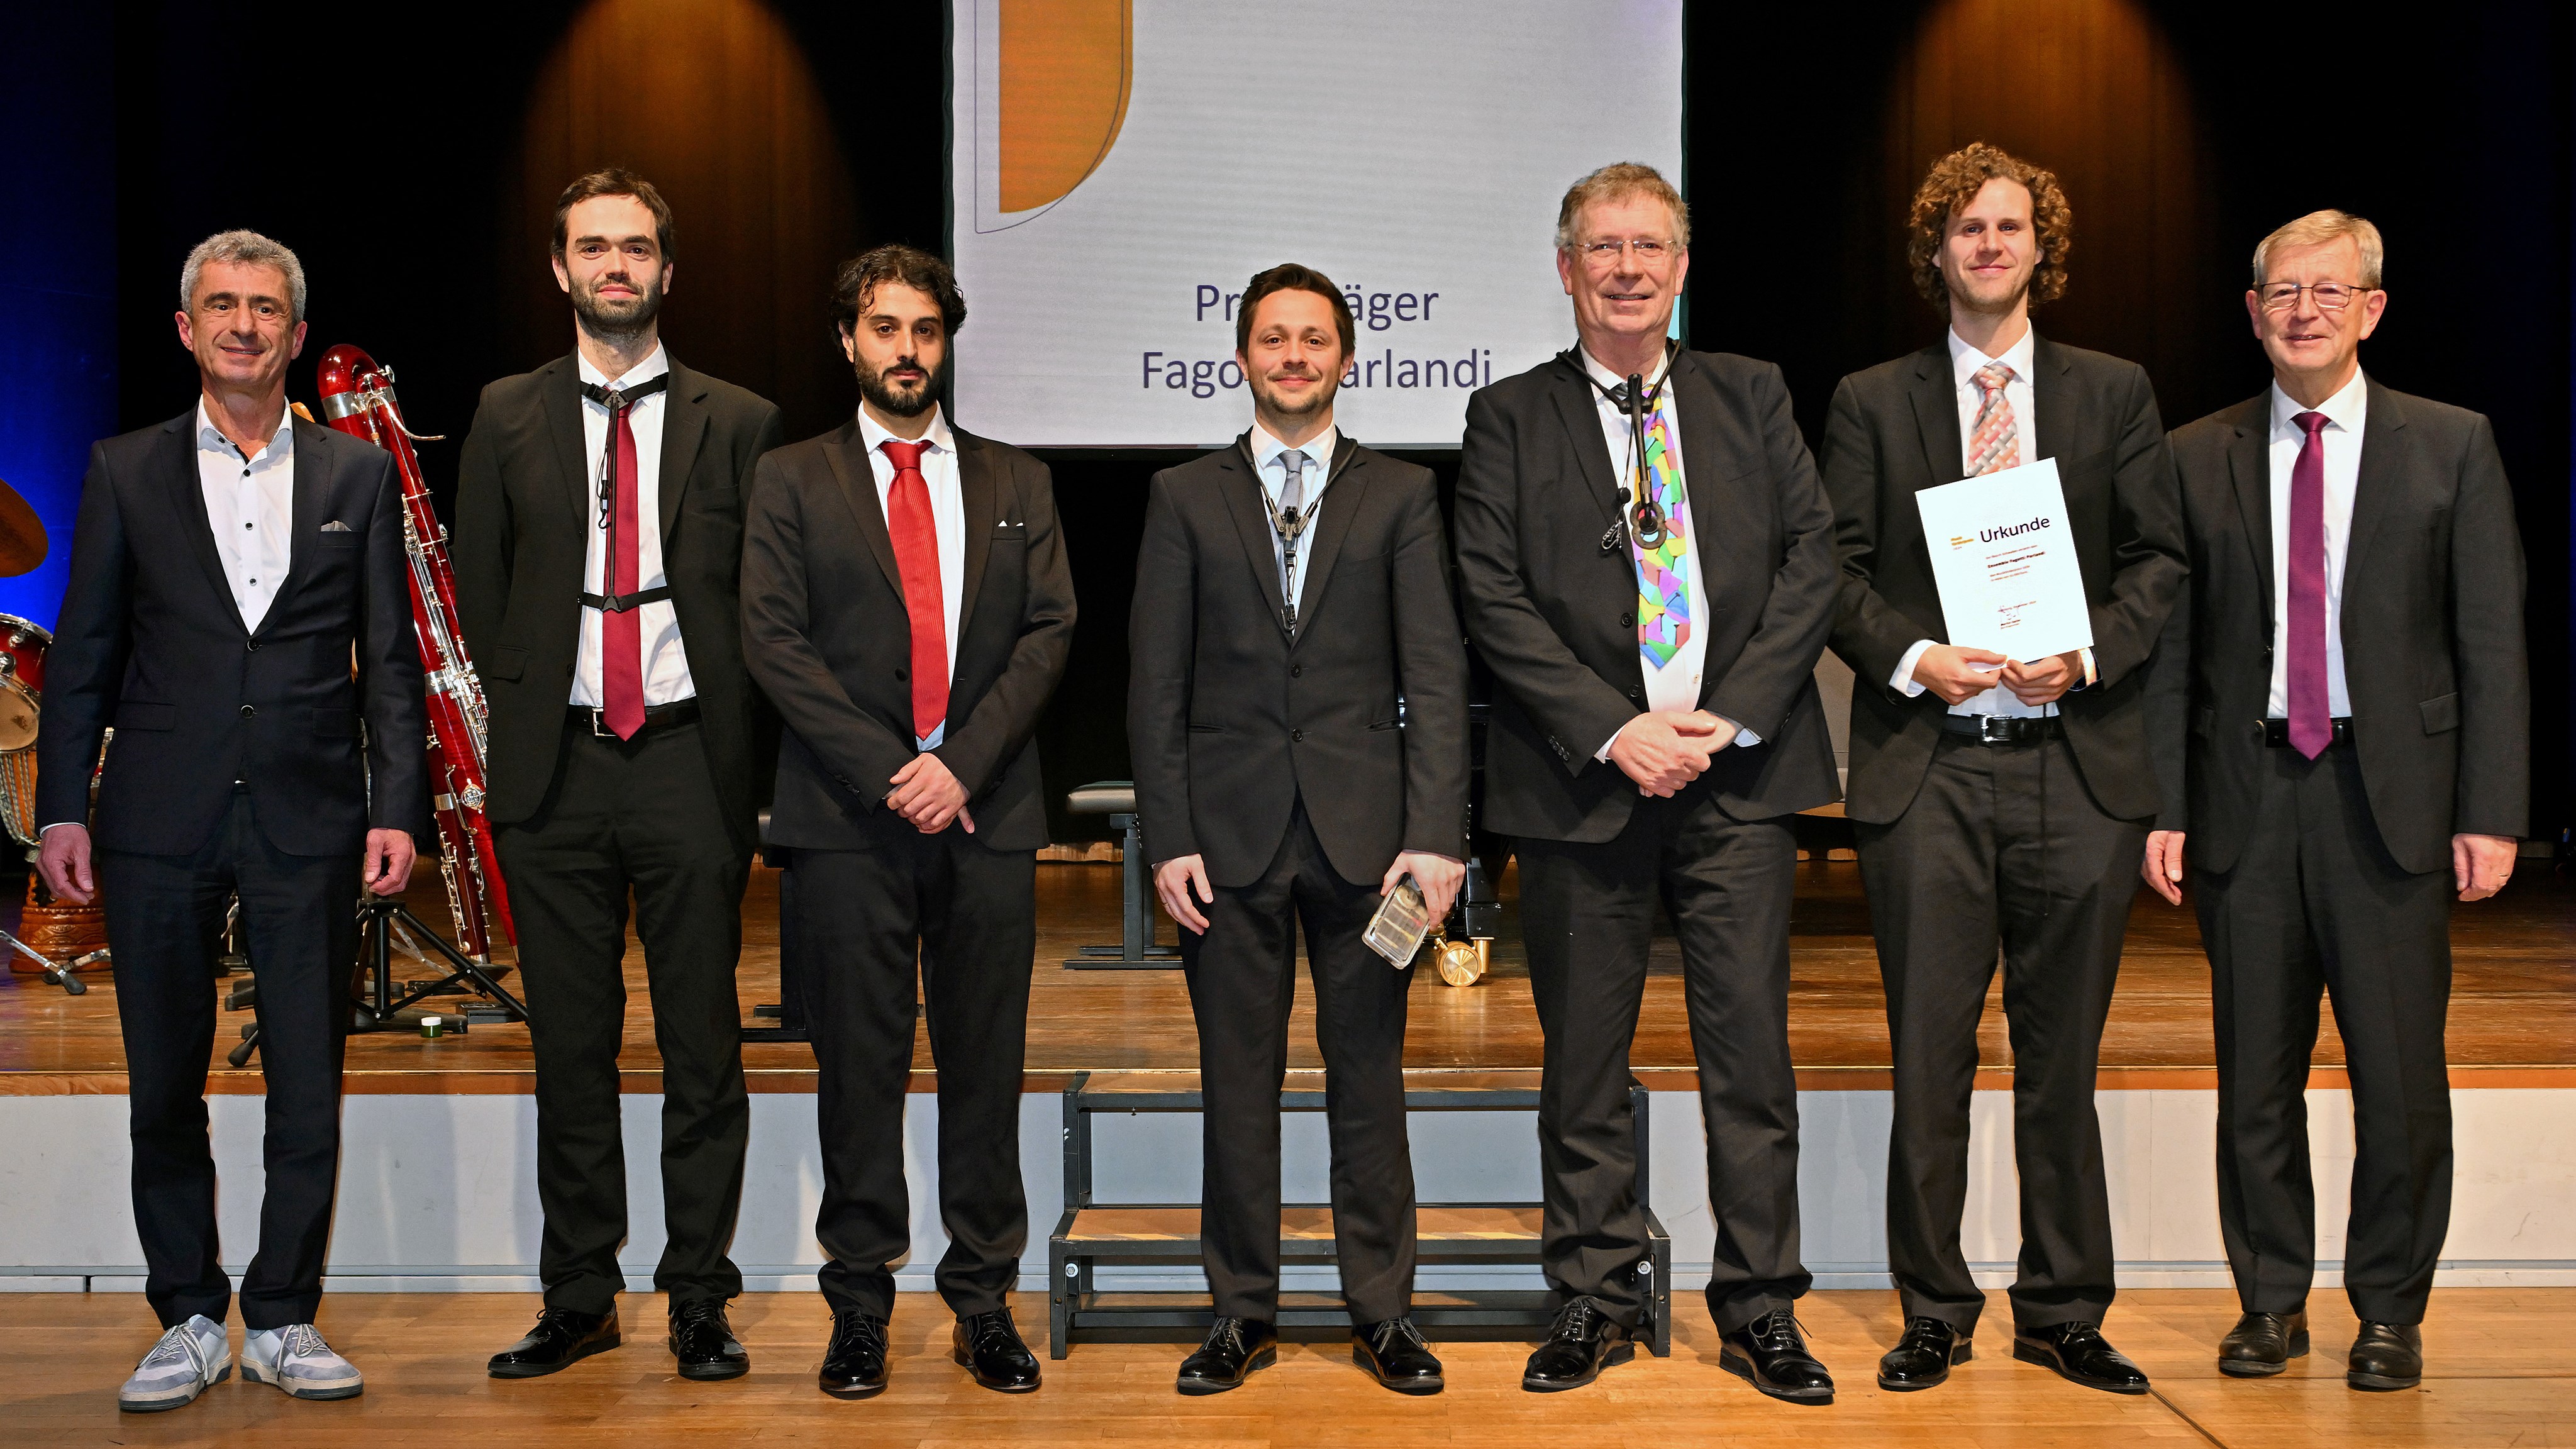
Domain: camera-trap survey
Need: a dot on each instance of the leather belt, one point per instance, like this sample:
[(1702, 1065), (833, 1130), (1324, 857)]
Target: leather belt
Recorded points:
[(2276, 732), (678, 711), (2000, 729)]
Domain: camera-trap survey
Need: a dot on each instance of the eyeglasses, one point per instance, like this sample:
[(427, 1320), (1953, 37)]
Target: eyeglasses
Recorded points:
[(2332, 296), (1646, 249)]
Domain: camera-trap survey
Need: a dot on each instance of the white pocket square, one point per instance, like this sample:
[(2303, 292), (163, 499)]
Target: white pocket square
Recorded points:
[(336, 526)]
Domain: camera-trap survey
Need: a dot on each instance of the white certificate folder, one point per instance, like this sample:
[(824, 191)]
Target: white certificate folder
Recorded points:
[(2004, 560)]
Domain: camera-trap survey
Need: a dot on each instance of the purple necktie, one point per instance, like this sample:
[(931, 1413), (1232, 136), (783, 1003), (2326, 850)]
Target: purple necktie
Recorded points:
[(2311, 728)]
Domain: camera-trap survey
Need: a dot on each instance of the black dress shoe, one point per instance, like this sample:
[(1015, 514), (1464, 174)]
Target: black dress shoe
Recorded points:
[(2262, 1344), (1234, 1348), (2080, 1354), (1395, 1355), (989, 1346), (704, 1342), (562, 1337), (854, 1362), (1922, 1358), (2386, 1356), (1771, 1354), (1582, 1342)]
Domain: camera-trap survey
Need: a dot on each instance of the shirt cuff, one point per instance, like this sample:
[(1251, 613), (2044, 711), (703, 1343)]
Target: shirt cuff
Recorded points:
[(2090, 678), (1903, 680), (1743, 736), (1603, 754), (40, 833)]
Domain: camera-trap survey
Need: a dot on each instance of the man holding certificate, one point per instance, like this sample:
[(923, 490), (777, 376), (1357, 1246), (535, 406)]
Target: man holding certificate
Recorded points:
[(1999, 781)]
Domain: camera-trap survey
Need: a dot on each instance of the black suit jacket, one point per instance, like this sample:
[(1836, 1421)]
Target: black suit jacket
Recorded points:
[(2431, 627), (1554, 614), (1893, 431), (1230, 720), (523, 527), (830, 640), (150, 642)]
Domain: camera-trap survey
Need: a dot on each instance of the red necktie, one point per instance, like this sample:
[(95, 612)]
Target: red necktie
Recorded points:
[(916, 558), (2311, 727), (621, 642)]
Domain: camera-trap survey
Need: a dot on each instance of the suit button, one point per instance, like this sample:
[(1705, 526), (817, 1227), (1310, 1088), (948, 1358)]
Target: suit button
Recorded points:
[(1296, 671), (252, 646), (1298, 736), (250, 711), (899, 674), (1628, 621)]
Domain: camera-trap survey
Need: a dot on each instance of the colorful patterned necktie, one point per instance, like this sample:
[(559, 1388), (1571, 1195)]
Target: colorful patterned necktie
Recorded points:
[(2311, 727), (1663, 571), (916, 557), (1996, 444)]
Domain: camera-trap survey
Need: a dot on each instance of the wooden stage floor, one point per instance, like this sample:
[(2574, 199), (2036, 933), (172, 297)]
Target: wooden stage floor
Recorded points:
[(2513, 1012), (2496, 1374)]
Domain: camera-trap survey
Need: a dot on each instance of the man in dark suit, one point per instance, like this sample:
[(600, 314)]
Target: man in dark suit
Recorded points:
[(598, 547), (1297, 714), (2342, 729), (907, 607), (1652, 609), (1998, 800), (226, 565)]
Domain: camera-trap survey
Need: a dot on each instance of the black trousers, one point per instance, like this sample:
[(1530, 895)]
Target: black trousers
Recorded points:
[(1243, 979), (299, 927), (859, 920), (2315, 904), (2003, 847), (637, 815), (1587, 913)]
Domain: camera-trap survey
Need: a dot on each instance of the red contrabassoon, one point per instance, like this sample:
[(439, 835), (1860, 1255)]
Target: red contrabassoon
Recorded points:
[(358, 399)]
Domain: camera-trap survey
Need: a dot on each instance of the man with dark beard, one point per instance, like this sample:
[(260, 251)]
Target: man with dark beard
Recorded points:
[(598, 544), (907, 606), (1297, 713)]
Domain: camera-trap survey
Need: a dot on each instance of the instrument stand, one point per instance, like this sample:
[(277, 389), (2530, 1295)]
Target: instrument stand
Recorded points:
[(56, 973), (377, 918)]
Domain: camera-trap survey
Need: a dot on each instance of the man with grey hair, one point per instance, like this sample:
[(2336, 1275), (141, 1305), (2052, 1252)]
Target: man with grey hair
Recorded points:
[(1657, 724), (227, 568), (2341, 725)]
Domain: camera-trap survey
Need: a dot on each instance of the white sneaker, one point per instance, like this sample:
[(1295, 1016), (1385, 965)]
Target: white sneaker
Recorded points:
[(297, 1360), (181, 1366)]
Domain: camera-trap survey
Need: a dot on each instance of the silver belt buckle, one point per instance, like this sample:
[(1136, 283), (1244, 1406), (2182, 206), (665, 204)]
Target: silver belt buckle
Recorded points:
[(597, 713), (1994, 729)]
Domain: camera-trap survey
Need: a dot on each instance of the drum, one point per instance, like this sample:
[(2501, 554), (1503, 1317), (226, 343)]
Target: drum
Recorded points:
[(22, 680)]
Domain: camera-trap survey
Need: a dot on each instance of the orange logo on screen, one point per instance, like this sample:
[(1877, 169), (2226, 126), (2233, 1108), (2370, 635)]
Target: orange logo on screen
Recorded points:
[(1067, 67), (1957, 542)]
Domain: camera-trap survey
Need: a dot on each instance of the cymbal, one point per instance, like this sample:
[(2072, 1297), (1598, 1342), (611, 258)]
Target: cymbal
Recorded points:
[(22, 534)]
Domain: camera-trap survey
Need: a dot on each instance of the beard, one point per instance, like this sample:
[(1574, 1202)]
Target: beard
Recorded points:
[(619, 321), (1316, 400), (896, 399)]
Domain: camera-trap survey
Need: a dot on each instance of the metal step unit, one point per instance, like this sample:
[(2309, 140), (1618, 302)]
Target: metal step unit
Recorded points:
[(1093, 1233)]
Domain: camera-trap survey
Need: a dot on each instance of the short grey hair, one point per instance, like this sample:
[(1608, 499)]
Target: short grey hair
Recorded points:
[(243, 249), (1618, 182), (2320, 227)]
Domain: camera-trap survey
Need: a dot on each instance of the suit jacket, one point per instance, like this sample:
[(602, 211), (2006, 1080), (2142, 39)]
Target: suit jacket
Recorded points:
[(1363, 713), (1893, 431), (830, 640), (151, 642), (2431, 625), (523, 527), (1554, 614)]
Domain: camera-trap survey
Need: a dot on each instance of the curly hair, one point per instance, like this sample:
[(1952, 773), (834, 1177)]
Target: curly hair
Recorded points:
[(1952, 183), (856, 286)]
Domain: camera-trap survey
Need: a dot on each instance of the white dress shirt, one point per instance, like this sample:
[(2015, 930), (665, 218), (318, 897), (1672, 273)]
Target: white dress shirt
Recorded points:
[(1274, 477), (947, 519), (1965, 363), (2345, 413), (250, 506), (666, 660), (1675, 686)]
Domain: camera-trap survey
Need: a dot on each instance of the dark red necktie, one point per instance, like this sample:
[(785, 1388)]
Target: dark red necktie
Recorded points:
[(621, 631), (916, 557), (2311, 727)]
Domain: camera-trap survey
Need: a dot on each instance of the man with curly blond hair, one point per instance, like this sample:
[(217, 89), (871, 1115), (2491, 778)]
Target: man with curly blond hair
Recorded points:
[(2000, 803)]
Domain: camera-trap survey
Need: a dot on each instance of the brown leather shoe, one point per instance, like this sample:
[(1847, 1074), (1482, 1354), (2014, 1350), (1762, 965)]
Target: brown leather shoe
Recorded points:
[(2262, 1344)]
